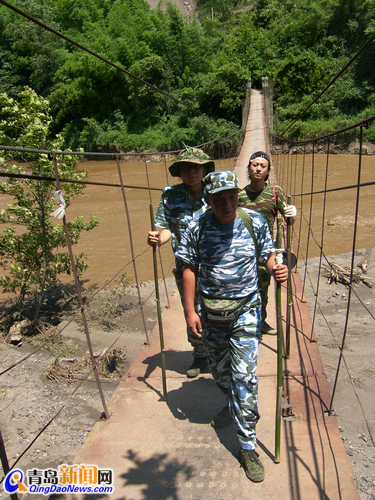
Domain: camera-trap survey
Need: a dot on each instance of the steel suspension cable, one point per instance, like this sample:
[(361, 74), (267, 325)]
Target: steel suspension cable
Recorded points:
[(366, 122), (300, 220), (351, 268), (70, 181), (347, 65), (159, 252), (129, 186), (351, 378), (348, 307), (330, 265), (310, 215), (290, 174), (132, 247), (321, 244), (295, 177), (79, 296)]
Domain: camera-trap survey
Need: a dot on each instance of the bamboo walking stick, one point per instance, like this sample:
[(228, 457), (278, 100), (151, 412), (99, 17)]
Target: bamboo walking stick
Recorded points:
[(288, 284), (279, 356), (161, 335)]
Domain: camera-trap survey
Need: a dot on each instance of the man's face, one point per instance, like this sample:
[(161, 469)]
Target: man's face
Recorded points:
[(191, 173), (259, 169), (224, 205)]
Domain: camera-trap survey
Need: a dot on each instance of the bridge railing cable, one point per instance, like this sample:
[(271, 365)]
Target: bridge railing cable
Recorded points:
[(338, 75), (26, 157), (314, 219)]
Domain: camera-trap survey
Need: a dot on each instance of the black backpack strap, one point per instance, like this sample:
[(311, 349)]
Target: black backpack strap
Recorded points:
[(203, 224), (249, 225)]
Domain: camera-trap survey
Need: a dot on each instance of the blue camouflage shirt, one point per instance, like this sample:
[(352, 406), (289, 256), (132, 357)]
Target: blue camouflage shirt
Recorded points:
[(226, 254), (175, 211)]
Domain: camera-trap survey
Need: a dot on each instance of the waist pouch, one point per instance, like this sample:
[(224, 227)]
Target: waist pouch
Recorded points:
[(223, 312)]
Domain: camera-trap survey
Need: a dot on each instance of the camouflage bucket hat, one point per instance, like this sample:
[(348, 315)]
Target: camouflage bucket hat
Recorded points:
[(191, 155), (220, 181)]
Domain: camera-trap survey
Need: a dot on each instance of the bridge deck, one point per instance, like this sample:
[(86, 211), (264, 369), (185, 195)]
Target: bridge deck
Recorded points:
[(162, 450)]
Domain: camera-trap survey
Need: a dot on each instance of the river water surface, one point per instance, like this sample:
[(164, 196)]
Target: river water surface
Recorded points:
[(108, 246)]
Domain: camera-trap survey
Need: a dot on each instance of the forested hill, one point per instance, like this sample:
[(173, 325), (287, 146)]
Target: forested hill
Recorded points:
[(188, 8), (200, 57)]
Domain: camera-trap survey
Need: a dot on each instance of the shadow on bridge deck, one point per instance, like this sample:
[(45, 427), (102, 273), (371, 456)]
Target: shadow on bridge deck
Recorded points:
[(161, 450)]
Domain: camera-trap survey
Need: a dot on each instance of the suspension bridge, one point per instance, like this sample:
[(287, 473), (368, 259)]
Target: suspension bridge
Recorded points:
[(160, 449)]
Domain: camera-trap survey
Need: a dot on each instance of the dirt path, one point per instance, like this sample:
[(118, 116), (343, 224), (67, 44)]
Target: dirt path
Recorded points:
[(187, 7)]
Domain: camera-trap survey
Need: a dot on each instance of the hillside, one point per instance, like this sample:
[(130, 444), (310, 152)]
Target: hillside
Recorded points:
[(196, 72), (186, 7)]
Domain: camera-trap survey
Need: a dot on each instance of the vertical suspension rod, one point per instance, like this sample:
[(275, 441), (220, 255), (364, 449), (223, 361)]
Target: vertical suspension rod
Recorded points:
[(351, 270), (131, 247), (78, 288)]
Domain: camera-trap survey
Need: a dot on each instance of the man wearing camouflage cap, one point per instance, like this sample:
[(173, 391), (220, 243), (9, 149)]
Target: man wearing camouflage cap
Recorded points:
[(220, 251), (178, 205)]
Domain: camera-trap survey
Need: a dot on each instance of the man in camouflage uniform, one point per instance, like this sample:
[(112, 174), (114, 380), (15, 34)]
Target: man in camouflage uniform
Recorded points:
[(222, 259), (178, 205), (267, 200)]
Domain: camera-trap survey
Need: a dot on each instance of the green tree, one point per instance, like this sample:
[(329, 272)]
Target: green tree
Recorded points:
[(29, 55), (32, 244)]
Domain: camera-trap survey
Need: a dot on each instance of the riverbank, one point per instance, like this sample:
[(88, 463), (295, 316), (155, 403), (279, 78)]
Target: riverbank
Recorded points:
[(353, 403), (33, 392), (351, 148)]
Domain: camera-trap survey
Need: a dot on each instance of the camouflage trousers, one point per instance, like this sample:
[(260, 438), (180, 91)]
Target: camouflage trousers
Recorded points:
[(196, 343), (264, 283), (232, 355)]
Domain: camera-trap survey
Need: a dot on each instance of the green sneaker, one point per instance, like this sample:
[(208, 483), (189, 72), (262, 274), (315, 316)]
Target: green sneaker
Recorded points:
[(252, 466), (196, 368), (222, 419)]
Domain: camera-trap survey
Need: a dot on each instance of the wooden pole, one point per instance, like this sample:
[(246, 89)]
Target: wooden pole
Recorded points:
[(5, 464), (279, 356), (161, 335), (288, 284)]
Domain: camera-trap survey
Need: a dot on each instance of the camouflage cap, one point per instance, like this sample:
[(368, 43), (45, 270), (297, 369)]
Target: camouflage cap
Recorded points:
[(191, 155), (220, 181)]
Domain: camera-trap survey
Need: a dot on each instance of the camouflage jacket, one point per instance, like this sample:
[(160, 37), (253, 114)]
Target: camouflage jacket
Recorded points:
[(225, 254), (264, 202), (175, 211)]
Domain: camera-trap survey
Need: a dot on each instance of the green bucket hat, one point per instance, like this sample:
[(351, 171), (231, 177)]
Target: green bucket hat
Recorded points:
[(191, 155)]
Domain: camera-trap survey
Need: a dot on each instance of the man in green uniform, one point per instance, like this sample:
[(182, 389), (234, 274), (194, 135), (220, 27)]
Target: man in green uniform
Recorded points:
[(267, 200)]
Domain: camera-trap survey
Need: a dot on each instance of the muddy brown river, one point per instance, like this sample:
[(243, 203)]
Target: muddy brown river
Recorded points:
[(108, 246), (340, 206)]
